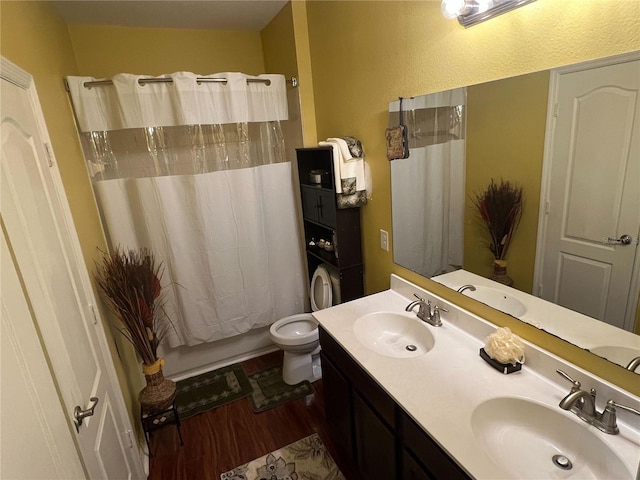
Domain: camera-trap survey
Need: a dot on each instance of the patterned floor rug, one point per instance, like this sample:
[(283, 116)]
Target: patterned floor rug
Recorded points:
[(210, 390), (269, 390), (306, 459)]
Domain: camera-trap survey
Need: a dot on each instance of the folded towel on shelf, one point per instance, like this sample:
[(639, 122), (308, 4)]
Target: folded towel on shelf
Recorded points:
[(353, 200), (346, 167), (355, 146), (345, 153), (350, 147), (351, 178)]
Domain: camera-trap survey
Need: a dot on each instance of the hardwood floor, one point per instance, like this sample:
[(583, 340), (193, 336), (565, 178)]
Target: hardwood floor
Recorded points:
[(230, 435)]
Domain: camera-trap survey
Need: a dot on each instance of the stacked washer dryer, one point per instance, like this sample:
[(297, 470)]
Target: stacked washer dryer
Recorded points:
[(297, 334)]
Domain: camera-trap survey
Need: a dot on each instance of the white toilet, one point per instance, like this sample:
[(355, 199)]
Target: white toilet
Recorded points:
[(297, 334)]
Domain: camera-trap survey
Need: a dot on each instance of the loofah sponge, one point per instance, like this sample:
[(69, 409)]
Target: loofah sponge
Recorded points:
[(505, 347)]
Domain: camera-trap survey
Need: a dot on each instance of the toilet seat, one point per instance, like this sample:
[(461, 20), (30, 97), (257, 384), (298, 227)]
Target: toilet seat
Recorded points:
[(298, 330), (321, 294)]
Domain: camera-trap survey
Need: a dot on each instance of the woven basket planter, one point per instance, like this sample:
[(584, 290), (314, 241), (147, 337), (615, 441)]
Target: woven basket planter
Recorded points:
[(500, 273), (160, 392)]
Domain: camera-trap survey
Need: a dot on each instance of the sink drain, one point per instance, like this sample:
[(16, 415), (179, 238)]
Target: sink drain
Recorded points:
[(411, 348), (562, 462)]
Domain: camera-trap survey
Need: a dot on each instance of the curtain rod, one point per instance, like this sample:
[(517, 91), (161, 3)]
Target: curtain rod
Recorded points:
[(293, 81)]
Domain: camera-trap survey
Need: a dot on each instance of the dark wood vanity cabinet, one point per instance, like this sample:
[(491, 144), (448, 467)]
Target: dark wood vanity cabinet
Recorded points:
[(377, 434), (411, 469), (322, 219), (420, 448), (375, 443), (337, 395)]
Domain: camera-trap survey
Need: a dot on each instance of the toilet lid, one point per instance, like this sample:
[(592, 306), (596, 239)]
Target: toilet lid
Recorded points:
[(320, 294)]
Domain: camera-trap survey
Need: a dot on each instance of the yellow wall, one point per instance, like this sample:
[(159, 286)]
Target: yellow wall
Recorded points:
[(35, 38), (365, 54), (506, 121), (279, 45), (305, 73), (285, 44), (103, 51)]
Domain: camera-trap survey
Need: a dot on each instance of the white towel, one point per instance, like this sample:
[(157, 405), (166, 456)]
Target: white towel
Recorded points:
[(345, 167), (344, 149)]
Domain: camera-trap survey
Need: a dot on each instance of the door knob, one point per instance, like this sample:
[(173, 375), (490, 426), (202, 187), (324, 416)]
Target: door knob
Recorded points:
[(79, 414), (623, 240)]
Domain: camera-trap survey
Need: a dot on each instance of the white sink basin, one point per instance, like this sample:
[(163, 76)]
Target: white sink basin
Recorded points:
[(523, 436), (394, 334), (497, 299), (619, 355)]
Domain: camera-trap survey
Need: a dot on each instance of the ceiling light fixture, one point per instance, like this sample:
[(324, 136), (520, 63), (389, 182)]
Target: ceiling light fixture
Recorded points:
[(471, 12)]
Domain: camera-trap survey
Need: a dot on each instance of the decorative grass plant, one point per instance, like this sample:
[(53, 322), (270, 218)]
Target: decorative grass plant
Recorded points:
[(500, 208), (130, 283)]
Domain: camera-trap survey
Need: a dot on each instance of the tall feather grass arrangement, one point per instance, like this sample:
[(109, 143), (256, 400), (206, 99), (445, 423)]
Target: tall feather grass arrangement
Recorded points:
[(130, 283), (500, 208)]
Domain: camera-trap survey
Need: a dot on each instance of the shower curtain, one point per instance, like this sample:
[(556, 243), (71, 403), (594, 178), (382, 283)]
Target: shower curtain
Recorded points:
[(428, 187), (196, 171)]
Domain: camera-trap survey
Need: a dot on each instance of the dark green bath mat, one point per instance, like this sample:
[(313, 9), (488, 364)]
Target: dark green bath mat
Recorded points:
[(210, 390), (269, 390)]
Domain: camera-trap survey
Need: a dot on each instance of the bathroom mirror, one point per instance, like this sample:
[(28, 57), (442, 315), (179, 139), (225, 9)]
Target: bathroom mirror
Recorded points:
[(459, 141)]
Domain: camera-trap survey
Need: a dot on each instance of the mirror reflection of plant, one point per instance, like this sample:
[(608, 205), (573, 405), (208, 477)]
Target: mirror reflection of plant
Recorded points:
[(500, 207), (130, 283)]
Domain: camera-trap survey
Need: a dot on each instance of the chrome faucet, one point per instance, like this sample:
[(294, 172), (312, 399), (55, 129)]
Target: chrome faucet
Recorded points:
[(425, 312), (633, 364), (583, 404), (466, 287), (580, 402)]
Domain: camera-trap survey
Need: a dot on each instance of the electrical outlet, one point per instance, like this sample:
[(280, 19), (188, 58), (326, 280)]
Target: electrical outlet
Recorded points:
[(384, 240)]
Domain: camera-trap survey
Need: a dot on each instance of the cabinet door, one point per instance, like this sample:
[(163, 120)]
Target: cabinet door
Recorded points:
[(428, 452), (337, 405), (375, 443), (309, 203), (411, 470), (326, 203)]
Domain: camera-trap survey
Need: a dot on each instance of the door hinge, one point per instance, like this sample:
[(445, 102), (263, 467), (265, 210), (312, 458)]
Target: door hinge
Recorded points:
[(129, 436), (49, 152), (556, 108), (93, 314), (547, 207)]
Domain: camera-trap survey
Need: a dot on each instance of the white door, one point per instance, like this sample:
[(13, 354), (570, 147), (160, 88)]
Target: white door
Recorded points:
[(31, 416), (593, 197), (39, 228)]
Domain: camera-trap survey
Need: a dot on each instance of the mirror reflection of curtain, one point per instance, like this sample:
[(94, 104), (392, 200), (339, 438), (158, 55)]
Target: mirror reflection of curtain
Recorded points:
[(198, 173), (429, 239)]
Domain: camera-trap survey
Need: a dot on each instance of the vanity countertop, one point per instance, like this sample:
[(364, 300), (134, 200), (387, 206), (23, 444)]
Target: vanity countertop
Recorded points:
[(441, 389)]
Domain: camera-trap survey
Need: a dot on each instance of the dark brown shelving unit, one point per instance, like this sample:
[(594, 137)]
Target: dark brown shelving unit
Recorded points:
[(324, 220)]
